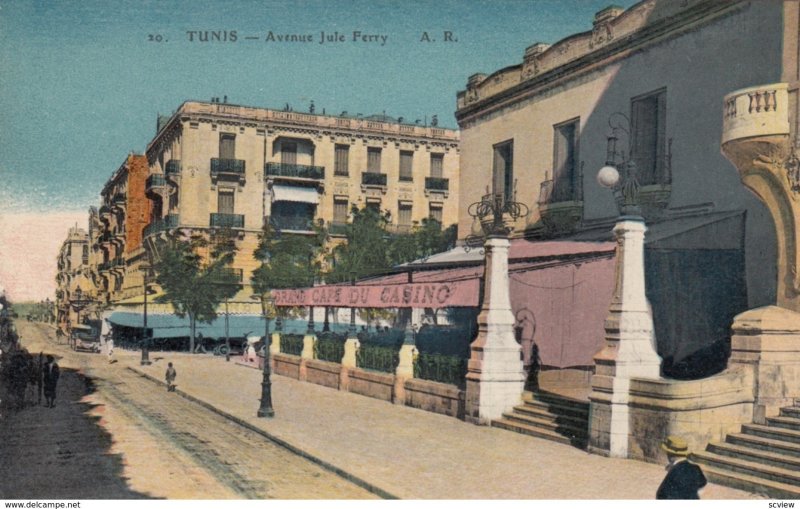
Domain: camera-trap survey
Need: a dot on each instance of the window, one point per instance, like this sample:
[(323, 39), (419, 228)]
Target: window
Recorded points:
[(342, 160), (436, 212), (648, 126), (373, 159), (565, 149), (406, 165), (404, 215), (227, 146), (437, 165), (503, 169), (85, 257), (339, 211), (225, 201), (288, 153)]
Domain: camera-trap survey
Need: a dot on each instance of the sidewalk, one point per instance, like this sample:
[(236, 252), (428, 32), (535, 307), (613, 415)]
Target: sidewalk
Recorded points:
[(404, 452)]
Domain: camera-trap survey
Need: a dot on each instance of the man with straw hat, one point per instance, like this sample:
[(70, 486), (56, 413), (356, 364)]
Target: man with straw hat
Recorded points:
[(684, 479)]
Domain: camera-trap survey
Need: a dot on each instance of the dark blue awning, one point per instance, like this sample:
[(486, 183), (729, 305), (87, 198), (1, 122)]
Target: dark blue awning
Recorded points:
[(173, 326)]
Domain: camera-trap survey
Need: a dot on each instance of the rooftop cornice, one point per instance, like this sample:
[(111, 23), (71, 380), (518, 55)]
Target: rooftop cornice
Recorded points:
[(611, 39)]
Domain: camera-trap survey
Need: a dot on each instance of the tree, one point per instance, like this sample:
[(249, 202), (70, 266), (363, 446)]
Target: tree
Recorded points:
[(426, 239), (364, 253), (287, 261), (195, 275)]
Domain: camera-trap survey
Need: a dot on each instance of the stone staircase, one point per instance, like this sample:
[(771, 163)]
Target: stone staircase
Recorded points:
[(761, 458), (549, 416)]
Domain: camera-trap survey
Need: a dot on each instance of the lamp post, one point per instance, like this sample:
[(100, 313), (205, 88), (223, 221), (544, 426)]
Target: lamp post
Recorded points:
[(227, 334), (145, 343), (495, 376), (265, 410), (629, 349)]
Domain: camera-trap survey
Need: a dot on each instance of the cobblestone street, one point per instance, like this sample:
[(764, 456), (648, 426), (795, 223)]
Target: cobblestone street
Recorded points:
[(114, 434)]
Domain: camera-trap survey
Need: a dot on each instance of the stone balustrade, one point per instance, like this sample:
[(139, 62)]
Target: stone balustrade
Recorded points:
[(756, 111)]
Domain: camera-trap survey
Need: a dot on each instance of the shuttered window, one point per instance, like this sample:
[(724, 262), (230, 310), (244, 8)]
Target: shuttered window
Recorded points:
[(406, 166), (503, 169), (374, 160), (340, 211), (225, 201), (564, 157), (342, 160), (648, 134), (227, 146), (289, 153), (436, 212), (437, 161), (404, 214)]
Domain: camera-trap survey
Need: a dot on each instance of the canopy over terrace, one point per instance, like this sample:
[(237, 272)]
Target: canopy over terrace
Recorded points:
[(560, 292), (173, 326)]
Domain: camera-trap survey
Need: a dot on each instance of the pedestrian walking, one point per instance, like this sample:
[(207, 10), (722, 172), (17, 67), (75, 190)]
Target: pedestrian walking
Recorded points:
[(170, 376), (199, 341), (110, 349), (50, 380), (684, 479), (39, 377)]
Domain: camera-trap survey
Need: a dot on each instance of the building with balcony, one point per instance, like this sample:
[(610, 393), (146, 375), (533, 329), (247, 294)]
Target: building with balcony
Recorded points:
[(645, 85), (74, 287), (216, 165), (116, 228)]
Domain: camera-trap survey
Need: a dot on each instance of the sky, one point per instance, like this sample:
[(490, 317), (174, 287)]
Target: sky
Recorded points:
[(82, 82)]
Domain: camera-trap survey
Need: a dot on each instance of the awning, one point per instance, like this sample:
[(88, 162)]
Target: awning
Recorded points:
[(295, 193), (172, 326)]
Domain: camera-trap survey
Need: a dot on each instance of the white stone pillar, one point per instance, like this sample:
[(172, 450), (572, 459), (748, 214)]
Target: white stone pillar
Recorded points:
[(630, 345), (495, 375)]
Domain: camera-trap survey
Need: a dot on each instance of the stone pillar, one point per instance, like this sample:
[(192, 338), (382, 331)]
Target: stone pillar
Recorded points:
[(405, 368), (495, 375), (630, 345), (766, 342), (274, 347), (351, 345)]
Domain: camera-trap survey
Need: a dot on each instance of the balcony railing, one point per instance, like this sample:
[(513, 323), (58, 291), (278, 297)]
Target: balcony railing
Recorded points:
[(437, 184), (369, 178), (302, 171), (118, 198), (155, 181), (297, 223), (337, 228), (227, 220), (173, 167), (227, 168), (159, 225)]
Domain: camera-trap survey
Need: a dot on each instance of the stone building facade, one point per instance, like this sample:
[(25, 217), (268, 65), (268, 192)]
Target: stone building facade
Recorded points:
[(72, 275)]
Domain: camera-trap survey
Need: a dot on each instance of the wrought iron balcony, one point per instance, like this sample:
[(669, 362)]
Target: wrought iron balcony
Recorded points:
[(369, 178), (337, 228), (227, 169), (159, 225), (296, 223), (173, 167), (301, 171), (227, 220), (154, 183), (437, 184)]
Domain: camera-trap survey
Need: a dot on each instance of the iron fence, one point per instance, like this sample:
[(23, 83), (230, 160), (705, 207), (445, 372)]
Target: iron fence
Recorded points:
[(448, 369), (378, 358), (292, 344)]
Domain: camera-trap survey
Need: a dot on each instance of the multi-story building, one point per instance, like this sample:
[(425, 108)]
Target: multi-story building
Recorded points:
[(223, 165), (645, 85), (116, 229), (73, 283)]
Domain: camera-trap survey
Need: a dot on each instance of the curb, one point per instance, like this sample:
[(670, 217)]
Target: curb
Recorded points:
[(278, 441)]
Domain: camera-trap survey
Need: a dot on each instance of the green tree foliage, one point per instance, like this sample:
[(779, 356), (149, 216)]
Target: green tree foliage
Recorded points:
[(287, 261), (371, 250), (195, 275)]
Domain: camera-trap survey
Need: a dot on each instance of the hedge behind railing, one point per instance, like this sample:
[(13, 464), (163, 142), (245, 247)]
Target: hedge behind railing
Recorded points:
[(330, 347), (378, 358), (292, 344), (446, 369)]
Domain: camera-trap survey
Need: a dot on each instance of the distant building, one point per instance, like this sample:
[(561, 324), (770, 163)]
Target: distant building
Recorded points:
[(73, 284)]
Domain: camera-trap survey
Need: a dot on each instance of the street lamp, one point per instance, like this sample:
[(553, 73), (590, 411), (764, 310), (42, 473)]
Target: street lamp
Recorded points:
[(145, 343), (265, 410)]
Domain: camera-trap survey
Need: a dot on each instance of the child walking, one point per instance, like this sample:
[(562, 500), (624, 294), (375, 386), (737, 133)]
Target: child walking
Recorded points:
[(170, 376)]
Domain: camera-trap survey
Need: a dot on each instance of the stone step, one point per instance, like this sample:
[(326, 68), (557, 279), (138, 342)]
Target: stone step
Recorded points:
[(786, 435), (750, 468), (567, 429), (545, 414), (764, 487), (535, 431), (784, 422), (790, 411), (766, 444), (558, 408), (767, 457), (555, 399)]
